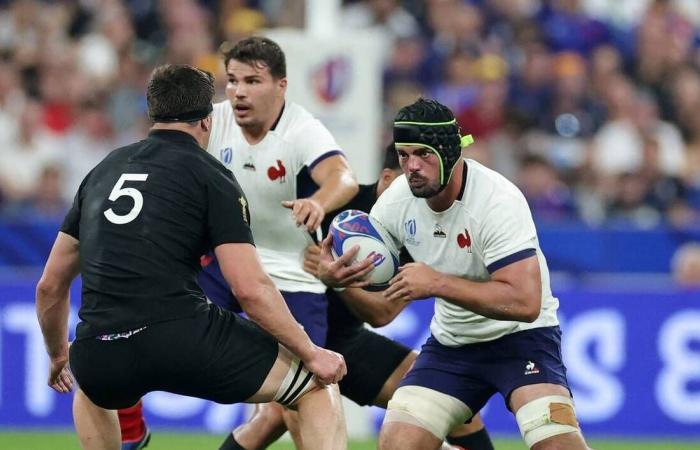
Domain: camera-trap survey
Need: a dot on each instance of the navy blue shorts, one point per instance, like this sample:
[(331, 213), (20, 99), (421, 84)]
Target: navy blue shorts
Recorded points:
[(475, 372), (309, 309)]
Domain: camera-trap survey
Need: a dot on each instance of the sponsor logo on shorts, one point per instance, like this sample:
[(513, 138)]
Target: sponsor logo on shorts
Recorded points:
[(531, 368)]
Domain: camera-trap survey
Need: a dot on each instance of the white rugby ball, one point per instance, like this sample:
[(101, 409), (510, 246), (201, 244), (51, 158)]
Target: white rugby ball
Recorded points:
[(352, 227)]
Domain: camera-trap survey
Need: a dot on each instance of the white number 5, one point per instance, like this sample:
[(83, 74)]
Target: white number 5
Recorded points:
[(135, 194)]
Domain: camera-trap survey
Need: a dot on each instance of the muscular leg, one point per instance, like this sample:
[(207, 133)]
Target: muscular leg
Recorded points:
[(265, 426), (98, 428), (403, 436), (526, 394), (321, 419), (461, 433)]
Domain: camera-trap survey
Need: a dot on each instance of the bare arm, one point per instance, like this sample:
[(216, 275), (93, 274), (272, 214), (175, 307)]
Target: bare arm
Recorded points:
[(259, 297), (371, 307), (53, 304), (263, 303), (337, 186), (513, 293), (336, 181)]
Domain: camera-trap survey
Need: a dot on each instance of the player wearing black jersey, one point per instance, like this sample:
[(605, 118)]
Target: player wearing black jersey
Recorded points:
[(138, 225)]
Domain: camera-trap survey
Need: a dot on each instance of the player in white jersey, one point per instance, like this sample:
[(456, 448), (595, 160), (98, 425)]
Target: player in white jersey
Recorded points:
[(495, 329), (286, 161)]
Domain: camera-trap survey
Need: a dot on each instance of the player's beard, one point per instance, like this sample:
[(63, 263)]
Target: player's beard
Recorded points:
[(425, 190)]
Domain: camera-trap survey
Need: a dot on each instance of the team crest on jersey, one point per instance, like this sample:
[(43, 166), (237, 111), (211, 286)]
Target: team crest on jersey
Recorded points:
[(226, 155), (277, 173), (464, 240), (438, 232), (410, 228)]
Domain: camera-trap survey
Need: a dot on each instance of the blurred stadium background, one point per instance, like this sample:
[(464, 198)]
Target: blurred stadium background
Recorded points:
[(591, 106)]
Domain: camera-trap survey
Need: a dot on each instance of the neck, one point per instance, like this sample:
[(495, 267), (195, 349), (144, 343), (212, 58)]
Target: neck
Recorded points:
[(255, 133), (192, 130), (447, 196)]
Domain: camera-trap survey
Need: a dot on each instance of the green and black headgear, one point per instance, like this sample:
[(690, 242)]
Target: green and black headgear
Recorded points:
[(430, 124)]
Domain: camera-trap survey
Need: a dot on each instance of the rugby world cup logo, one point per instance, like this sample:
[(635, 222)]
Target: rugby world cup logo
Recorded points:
[(226, 155), (331, 78)]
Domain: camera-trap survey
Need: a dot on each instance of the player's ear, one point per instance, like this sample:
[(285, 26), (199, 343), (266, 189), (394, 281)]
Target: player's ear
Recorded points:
[(205, 123)]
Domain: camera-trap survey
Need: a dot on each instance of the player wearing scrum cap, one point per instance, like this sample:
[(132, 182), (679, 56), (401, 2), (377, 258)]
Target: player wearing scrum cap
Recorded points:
[(495, 328)]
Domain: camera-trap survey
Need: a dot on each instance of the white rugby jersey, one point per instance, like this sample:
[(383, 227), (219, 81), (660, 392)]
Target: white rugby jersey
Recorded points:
[(267, 172), (486, 228)]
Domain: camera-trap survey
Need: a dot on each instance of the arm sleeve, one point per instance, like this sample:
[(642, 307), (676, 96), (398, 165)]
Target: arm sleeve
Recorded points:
[(388, 218), (228, 216), (314, 143), (71, 223), (508, 233)]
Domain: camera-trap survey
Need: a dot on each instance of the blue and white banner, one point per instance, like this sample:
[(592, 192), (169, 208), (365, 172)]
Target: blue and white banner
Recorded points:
[(633, 360)]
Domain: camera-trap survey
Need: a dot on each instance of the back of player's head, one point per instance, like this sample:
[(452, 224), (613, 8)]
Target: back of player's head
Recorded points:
[(391, 158), (257, 50), (179, 93), (428, 123)]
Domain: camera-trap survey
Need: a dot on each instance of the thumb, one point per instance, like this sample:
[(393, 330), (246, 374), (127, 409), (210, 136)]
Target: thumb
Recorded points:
[(288, 203)]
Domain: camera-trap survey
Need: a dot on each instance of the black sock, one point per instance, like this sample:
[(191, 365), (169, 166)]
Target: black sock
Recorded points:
[(475, 441), (231, 444)]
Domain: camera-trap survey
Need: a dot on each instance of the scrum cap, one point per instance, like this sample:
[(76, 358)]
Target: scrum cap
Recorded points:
[(430, 124)]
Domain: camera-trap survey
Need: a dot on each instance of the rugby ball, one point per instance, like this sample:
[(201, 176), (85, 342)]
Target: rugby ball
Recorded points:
[(353, 227)]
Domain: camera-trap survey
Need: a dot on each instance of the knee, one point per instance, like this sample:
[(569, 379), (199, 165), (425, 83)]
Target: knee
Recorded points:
[(545, 418), (428, 409), (270, 416)]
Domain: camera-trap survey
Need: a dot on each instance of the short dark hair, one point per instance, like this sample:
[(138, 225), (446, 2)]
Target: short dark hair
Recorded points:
[(179, 93), (391, 158), (258, 50)]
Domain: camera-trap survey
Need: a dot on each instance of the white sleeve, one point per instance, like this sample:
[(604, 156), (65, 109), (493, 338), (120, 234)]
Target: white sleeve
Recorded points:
[(507, 231), (384, 211), (218, 128), (313, 142)]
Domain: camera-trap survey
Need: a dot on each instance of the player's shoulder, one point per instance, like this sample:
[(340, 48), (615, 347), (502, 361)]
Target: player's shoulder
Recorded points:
[(297, 120), (487, 189)]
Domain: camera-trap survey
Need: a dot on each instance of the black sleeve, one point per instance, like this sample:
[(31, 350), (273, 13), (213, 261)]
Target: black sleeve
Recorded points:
[(228, 217), (71, 223), (405, 257)]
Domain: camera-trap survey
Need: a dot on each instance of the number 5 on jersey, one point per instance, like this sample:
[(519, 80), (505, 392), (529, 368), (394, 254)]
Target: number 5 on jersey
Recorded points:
[(135, 194)]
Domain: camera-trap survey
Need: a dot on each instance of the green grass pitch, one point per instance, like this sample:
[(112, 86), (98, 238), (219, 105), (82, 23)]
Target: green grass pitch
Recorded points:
[(168, 440)]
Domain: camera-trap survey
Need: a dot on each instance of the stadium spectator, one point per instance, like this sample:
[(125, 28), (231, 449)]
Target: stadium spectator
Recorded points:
[(685, 265)]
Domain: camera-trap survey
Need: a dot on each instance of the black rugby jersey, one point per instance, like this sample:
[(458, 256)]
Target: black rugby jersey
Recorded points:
[(143, 217)]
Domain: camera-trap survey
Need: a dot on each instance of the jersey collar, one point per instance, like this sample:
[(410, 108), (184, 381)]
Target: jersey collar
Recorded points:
[(174, 136)]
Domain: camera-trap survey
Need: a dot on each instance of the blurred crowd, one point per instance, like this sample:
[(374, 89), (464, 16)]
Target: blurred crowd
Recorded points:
[(591, 106)]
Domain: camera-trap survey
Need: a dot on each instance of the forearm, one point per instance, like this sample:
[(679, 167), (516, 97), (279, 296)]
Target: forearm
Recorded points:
[(53, 309), (371, 307), (267, 308), (337, 190), (493, 299)]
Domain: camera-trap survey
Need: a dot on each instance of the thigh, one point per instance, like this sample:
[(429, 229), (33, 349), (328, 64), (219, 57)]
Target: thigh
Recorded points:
[(457, 372), (311, 311), (108, 372), (529, 358), (216, 355), (371, 359)]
